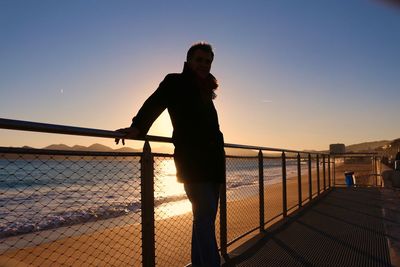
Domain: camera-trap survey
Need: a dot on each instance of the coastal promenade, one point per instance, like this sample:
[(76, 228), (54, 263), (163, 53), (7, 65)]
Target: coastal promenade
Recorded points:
[(112, 208), (347, 227)]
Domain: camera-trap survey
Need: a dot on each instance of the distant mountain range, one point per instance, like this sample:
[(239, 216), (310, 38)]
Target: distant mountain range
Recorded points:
[(367, 146), (94, 147), (162, 149), (385, 146), (391, 149)]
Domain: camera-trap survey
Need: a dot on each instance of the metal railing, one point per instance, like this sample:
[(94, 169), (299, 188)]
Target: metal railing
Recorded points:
[(367, 168), (125, 209)]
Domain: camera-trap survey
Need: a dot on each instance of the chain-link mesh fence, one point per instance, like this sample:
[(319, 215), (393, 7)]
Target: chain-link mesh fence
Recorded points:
[(292, 188), (322, 175), (81, 208), (242, 185), (272, 187), (366, 169), (69, 209), (173, 217), (305, 184), (314, 175)]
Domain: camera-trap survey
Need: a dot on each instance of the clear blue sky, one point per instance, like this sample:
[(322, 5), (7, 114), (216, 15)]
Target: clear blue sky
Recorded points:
[(292, 74)]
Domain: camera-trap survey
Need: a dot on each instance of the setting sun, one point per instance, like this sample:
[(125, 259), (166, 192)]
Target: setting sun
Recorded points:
[(162, 126)]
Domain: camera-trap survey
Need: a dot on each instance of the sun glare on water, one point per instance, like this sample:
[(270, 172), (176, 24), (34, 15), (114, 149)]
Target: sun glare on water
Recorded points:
[(167, 184), (170, 192)]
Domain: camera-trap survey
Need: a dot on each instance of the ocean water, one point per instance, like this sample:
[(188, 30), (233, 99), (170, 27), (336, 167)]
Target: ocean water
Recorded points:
[(39, 194)]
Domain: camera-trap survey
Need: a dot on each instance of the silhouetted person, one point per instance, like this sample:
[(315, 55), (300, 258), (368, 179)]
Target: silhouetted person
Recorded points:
[(199, 145)]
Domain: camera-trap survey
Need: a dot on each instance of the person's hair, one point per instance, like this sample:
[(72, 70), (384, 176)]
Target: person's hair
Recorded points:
[(206, 47)]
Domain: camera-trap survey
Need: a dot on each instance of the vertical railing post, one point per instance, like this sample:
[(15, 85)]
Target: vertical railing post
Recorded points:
[(324, 171), (284, 195), (147, 206), (299, 179), (374, 170), (309, 178), (261, 188), (329, 171), (223, 219), (318, 182), (334, 171), (379, 170)]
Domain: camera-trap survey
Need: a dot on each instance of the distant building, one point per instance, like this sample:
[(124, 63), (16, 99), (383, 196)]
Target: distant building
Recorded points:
[(337, 149)]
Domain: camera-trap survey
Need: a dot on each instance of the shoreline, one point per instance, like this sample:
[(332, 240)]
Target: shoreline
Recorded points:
[(73, 217)]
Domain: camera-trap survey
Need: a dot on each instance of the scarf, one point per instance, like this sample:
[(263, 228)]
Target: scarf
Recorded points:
[(206, 85)]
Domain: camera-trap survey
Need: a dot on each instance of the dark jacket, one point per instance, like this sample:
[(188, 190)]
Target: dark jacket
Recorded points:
[(199, 145)]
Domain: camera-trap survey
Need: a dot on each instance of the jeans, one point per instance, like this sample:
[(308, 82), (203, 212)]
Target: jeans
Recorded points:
[(204, 198)]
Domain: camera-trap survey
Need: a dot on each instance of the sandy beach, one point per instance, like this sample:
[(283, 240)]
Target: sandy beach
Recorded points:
[(117, 242)]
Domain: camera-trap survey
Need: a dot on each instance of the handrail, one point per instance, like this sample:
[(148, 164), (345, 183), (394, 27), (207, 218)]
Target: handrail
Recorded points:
[(70, 130), (73, 130), (354, 154), (23, 150), (272, 149)]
